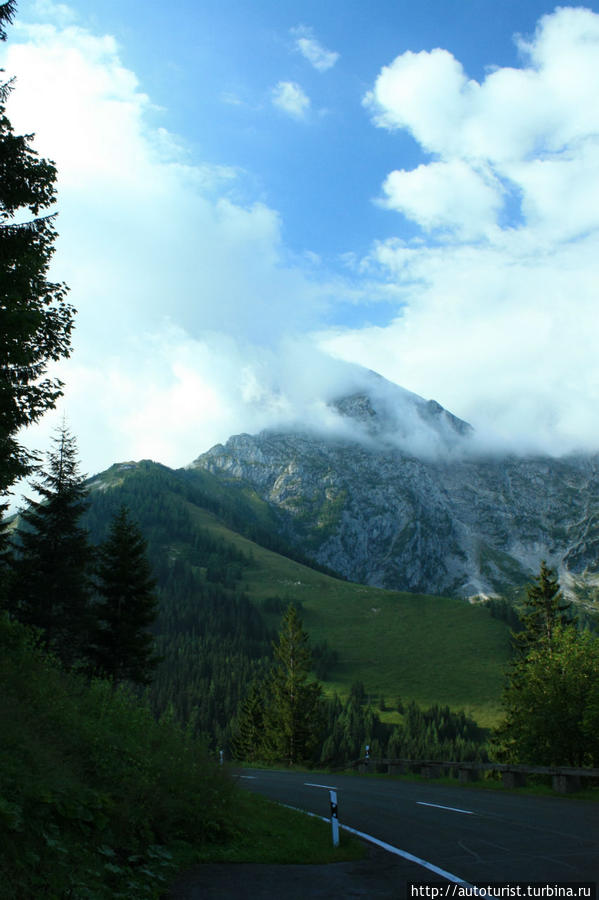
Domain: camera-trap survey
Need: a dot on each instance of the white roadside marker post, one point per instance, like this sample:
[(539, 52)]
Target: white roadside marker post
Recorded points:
[(334, 818)]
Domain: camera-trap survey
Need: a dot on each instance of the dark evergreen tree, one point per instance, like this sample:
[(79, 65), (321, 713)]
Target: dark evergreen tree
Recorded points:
[(551, 684), (122, 645), (51, 580), (35, 319), (544, 610), (294, 715), (551, 703), (7, 12), (248, 743), (357, 693)]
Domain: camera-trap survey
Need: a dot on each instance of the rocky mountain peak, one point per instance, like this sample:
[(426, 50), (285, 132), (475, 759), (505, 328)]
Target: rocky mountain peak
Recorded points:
[(398, 497), (389, 413)]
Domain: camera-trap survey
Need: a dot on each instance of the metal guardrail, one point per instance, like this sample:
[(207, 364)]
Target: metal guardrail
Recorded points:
[(565, 778)]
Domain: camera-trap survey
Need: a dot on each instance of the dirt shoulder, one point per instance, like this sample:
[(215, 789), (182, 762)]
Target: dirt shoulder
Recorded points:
[(379, 876)]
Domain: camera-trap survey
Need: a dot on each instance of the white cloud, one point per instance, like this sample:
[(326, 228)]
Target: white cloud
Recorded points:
[(291, 98), (445, 195), (530, 130), (500, 316), (540, 108), (145, 232), (422, 92), (151, 243), (168, 396), (310, 48), (504, 337)]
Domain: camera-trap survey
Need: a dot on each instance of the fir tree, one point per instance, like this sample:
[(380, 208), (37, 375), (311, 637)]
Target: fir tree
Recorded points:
[(35, 320), (549, 689), (294, 714), (51, 583), (7, 12), (248, 743), (545, 608), (551, 703), (123, 647)]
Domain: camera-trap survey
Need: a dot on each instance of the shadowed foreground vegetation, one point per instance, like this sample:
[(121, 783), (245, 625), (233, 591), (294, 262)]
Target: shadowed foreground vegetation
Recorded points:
[(100, 800)]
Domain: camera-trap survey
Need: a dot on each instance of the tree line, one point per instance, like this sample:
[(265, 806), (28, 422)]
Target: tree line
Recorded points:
[(285, 717), (92, 606), (550, 702)]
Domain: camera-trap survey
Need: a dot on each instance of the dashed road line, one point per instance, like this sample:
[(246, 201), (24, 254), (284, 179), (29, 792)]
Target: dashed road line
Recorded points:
[(328, 787), (467, 812)]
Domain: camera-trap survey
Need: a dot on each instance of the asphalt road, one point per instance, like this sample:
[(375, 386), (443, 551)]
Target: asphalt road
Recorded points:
[(474, 835)]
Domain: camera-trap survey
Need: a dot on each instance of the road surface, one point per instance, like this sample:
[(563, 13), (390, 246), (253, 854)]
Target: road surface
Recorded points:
[(473, 835)]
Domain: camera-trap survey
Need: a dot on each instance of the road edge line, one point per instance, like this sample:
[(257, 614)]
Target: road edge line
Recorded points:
[(389, 848)]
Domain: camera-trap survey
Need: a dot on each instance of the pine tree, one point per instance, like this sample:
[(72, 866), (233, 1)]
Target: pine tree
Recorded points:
[(547, 695), (123, 647), (545, 608), (551, 705), (7, 12), (248, 743), (51, 583), (294, 714), (35, 319)]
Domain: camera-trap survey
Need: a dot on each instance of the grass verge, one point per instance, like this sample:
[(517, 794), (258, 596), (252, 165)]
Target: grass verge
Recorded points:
[(270, 833)]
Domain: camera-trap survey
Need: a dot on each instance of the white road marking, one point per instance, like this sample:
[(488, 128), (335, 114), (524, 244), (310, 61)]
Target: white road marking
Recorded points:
[(328, 787), (405, 855), (467, 812), (391, 849), (248, 776)]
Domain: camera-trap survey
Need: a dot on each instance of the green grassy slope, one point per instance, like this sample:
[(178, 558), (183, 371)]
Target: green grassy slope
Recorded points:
[(423, 648), (430, 649)]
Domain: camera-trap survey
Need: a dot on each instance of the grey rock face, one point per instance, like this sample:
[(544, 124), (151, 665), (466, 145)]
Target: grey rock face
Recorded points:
[(383, 514), (392, 415)]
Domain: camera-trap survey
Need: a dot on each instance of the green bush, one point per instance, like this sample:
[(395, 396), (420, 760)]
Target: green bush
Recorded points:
[(93, 791)]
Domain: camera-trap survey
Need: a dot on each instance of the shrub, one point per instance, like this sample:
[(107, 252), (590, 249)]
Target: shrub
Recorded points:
[(93, 790)]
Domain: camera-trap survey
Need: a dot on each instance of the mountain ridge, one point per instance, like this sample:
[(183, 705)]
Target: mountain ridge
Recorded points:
[(403, 500)]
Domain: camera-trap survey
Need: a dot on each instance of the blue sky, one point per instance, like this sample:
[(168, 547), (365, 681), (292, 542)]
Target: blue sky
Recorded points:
[(254, 195), (212, 68)]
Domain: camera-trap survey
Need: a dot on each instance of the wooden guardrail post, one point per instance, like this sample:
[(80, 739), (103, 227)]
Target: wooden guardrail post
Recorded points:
[(513, 779), (565, 784), (432, 770)]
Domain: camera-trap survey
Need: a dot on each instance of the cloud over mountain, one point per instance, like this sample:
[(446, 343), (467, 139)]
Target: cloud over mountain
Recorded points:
[(499, 281)]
